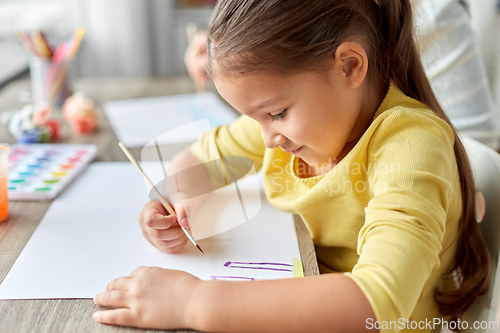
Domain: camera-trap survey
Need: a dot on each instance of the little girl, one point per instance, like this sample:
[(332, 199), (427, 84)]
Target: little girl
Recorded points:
[(334, 93)]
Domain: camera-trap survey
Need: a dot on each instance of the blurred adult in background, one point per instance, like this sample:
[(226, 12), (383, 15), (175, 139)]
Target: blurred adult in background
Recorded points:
[(452, 60), (455, 68)]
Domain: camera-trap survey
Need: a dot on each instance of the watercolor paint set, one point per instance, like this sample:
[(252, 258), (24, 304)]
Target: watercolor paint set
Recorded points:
[(42, 171)]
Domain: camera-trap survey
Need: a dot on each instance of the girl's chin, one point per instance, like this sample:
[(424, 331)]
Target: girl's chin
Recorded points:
[(316, 162)]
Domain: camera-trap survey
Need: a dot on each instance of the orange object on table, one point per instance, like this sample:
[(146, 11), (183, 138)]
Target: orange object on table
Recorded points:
[(4, 199), (54, 126), (80, 112), (4, 196), (83, 125)]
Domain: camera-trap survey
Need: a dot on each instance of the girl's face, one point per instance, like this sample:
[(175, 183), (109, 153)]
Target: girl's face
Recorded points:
[(316, 117)]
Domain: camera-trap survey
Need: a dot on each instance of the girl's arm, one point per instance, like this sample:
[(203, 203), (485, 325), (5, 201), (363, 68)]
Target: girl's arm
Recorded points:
[(198, 177), (324, 303), (153, 297)]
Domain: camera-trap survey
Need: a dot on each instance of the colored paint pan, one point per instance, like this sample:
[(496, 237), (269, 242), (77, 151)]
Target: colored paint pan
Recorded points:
[(26, 173), (67, 166), (43, 189)]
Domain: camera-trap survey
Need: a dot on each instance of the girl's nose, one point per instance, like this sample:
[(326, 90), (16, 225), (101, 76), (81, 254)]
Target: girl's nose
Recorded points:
[(273, 140)]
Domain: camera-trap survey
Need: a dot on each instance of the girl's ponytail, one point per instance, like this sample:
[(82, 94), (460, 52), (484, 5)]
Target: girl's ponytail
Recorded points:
[(472, 264)]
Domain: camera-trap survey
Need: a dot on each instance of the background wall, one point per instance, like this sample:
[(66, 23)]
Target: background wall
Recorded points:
[(123, 37), (148, 37), (134, 37)]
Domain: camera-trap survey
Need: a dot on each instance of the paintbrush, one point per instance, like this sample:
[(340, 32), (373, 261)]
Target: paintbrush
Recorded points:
[(169, 208)]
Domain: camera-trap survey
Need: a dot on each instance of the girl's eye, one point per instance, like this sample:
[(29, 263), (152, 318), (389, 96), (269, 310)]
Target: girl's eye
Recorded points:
[(278, 116)]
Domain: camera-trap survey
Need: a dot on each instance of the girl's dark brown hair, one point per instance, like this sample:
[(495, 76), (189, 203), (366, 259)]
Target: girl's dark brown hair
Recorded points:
[(291, 36)]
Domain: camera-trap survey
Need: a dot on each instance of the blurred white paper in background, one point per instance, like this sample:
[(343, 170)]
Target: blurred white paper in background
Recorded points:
[(138, 121)]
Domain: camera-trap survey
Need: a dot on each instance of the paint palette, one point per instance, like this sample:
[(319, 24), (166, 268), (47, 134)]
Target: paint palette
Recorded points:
[(42, 171)]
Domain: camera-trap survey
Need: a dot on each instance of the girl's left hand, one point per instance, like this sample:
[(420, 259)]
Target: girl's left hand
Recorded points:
[(151, 297)]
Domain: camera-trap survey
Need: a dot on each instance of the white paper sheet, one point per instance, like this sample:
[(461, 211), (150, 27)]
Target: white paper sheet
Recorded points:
[(137, 121), (90, 235)]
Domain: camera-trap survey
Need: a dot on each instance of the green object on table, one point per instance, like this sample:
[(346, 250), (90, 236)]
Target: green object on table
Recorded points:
[(44, 134)]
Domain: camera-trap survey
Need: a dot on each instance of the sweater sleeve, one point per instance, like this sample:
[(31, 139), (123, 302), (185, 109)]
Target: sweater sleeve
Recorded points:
[(402, 236), (243, 138)]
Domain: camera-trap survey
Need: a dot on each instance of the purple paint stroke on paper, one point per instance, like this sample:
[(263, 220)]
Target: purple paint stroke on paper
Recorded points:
[(218, 277), (263, 265)]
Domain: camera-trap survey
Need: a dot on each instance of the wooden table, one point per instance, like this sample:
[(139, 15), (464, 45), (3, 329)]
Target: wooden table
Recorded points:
[(75, 315)]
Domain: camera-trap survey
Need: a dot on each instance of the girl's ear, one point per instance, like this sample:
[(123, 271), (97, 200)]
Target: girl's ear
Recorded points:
[(352, 59)]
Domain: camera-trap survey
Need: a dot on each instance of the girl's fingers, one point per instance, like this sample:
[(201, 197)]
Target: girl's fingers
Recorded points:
[(138, 270), (122, 317), (166, 235), (151, 211), (182, 216), (153, 207), (165, 246), (177, 247), (116, 298), (119, 284), (159, 221), (172, 246), (184, 222)]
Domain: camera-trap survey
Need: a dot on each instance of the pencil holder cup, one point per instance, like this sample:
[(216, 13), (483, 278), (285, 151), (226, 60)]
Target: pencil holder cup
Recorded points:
[(4, 165), (49, 81)]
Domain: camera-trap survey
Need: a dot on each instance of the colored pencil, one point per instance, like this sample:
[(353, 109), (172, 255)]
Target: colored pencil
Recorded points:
[(47, 44), (40, 45), (75, 42), (28, 44)]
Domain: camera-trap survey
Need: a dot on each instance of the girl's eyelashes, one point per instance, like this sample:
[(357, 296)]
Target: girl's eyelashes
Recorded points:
[(278, 116)]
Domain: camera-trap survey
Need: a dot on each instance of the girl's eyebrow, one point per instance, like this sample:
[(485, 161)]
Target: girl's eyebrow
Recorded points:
[(269, 103)]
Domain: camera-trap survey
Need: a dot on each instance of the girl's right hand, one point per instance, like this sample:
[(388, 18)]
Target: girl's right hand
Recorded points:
[(163, 230)]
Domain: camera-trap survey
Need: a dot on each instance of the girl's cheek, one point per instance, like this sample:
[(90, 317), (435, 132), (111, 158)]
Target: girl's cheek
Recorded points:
[(301, 132)]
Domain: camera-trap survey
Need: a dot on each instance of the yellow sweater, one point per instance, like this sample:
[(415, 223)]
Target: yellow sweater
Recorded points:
[(386, 215)]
